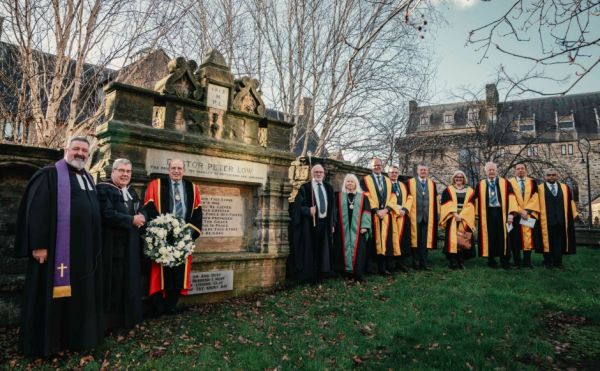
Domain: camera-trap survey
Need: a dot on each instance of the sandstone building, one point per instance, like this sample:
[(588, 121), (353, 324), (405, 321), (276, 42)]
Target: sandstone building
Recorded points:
[(543, 132)]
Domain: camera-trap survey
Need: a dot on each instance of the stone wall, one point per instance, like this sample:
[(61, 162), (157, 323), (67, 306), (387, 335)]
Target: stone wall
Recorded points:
[(17, 165)]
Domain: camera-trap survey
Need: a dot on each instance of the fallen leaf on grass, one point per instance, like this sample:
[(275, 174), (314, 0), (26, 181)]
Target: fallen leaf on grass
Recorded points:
[(285, 357), (218, 344), (243, 340), (357, 360), (85, 360), (120, 338)]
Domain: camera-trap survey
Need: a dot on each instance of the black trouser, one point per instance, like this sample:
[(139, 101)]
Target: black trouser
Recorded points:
[(496, 238), (384, 263), (165, 304), (527, 258), (420, 253), (556, 237)]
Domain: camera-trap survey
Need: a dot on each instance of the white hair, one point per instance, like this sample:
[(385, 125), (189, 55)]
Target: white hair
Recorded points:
[(120, 161), (355, 180), (488, 164)]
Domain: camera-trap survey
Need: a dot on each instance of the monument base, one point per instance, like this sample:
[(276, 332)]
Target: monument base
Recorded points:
[(252, 273)]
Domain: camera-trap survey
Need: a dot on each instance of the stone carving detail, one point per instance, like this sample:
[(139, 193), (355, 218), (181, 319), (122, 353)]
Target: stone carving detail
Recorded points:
[(247, 97), (181, 81), (262, 137)]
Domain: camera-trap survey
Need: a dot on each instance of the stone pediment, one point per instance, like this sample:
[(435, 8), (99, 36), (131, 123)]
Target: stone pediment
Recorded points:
[(247, 98), (181, 81)]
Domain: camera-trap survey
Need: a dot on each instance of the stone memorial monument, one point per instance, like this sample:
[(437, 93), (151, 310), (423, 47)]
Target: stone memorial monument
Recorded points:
[(238, 157)]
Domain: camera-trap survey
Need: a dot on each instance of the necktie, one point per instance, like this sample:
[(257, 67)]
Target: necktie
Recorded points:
[(321, 199), (522, 184), (178, 203), (554, 190), (492, 192)]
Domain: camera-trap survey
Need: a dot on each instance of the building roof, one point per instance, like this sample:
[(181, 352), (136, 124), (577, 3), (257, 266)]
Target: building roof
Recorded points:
[(545, 112)]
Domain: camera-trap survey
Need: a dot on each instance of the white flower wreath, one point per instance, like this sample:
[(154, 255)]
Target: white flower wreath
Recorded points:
[(168, 240)]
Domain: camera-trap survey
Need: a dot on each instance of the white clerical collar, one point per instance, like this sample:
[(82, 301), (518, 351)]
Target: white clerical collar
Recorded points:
[(126, 194)]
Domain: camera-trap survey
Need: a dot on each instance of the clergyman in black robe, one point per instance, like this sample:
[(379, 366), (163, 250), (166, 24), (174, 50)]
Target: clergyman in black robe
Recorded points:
[(312, 227), (59, 231), (121, 250)]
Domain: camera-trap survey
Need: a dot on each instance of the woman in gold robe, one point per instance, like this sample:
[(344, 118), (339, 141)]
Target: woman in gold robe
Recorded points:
[(457, 216)]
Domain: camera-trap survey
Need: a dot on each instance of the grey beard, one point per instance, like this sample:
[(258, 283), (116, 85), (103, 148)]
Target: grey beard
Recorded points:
[(76, 163)]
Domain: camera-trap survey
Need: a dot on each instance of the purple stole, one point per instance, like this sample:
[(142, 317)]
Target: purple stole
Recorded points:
[(62, 263)]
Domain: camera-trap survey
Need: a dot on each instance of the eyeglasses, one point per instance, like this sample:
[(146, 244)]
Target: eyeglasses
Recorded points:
[(123, 171), (551, 175)]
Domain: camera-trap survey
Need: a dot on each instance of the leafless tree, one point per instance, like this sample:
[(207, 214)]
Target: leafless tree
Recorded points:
[(547, 33), (62, 52), (348, 56)]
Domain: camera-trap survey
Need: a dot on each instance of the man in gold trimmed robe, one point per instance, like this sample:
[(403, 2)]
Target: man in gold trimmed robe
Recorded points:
[(494, 206), (557, 214), (401, 220), (383, 209), (527, 206), (181, 198), (423, 216)]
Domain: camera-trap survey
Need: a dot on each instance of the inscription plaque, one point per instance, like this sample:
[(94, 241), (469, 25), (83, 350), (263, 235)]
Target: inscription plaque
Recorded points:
[(222, 216), (199, 166), (212, 281), (217, 97)]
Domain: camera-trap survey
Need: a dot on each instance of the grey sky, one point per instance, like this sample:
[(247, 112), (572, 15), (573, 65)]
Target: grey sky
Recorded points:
[(459, 65)]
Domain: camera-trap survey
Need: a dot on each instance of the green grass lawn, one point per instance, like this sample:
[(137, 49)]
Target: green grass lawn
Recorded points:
[(473, 319)]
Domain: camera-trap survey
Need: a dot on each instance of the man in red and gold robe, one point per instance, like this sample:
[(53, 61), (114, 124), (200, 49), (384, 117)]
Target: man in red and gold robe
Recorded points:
[(423, 216), (181, 198), (383, 210), (527, 206), (557, 215)]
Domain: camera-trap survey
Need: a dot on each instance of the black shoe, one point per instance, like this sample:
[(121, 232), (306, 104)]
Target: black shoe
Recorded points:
[(425, 268), (560, 266), (402, 268), (461, 265), (172, 312), (385, 272), (506, 267)]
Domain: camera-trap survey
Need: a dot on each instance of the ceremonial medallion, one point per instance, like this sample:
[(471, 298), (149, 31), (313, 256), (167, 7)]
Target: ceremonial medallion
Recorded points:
[(351, 207), (177, 197)]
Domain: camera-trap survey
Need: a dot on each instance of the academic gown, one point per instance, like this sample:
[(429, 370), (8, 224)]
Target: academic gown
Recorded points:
[(493, 246), (49, 324), (432, 221), (350, 246), (310, 252), (157, 201), (522, 236), (449, 206), (121, 256), (569, 211), (402, 237), (382, 229)]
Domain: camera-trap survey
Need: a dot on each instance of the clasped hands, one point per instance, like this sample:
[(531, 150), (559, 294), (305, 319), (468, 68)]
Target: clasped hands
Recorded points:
[(139, 220)]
